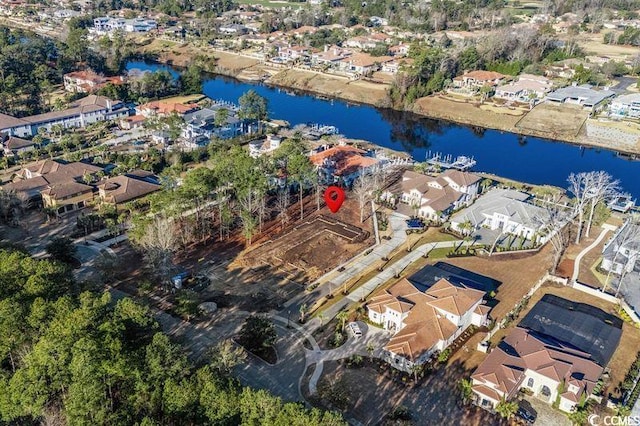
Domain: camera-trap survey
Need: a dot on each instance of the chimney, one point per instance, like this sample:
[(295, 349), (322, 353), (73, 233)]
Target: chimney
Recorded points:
[(326, 47)]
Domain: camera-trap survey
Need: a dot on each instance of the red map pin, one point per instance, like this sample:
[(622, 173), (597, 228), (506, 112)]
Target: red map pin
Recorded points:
[(334, 196)]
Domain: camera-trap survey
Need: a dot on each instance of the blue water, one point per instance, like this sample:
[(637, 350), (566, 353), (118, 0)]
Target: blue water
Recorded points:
[(532, 160)]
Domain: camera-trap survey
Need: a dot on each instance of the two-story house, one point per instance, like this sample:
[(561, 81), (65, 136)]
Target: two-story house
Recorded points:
[(558, 353), (473, 81), (505, 211), (620, 254), (425, 322), (434, 198)]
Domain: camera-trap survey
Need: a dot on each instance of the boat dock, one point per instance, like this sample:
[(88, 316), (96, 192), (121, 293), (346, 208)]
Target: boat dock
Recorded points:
[(461, 162)]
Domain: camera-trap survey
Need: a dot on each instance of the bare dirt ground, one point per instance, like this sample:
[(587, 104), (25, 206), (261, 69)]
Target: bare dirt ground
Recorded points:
[(357, 91), (554, 121), (313, 247), (464, 112), (629, 342)]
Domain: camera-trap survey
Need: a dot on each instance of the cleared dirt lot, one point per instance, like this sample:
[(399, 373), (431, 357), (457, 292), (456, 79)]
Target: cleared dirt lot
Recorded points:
[(312, 248), (554, 120)]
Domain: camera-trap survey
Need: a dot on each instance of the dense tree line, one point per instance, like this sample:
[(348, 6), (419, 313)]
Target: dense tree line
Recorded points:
[(70, 357)]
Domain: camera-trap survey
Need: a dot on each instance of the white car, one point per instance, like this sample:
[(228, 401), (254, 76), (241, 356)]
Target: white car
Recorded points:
[(355, 329)]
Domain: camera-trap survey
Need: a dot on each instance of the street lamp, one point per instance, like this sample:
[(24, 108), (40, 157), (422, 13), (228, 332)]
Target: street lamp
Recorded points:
[(288, 315)]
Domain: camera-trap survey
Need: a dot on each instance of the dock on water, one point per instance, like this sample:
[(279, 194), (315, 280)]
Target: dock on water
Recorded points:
[(461, 162)]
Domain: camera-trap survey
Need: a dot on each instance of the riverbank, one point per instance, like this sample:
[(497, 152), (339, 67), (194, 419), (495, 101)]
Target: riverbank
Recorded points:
[(563, 123)]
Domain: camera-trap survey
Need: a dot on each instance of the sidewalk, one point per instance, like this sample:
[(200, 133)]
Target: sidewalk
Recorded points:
[(388, 274)]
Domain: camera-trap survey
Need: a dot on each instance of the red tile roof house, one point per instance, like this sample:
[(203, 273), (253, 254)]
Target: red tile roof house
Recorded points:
[(343, 163), (425, 322), (88, 81), (471, 82)]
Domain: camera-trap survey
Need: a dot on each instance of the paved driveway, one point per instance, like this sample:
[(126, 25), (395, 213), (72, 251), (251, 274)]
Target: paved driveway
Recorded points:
[(283, 378)]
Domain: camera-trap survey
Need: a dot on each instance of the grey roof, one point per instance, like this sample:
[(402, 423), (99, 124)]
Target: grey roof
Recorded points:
[(628, 98), (628, 237), (588, 95), (504, 201), (579, 325)]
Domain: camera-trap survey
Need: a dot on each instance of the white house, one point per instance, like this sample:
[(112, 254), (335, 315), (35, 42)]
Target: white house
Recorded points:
[(504, 210), (425, 322), (621, 252), (527, 88), (261, 147), (626, 106), (81, 113)]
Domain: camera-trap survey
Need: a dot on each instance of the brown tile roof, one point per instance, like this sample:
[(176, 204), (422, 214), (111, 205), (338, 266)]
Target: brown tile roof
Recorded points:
[(7, 121), (424, 326), (166, 107), (66, 189), (521, 350), (461, 178), (120, 189), (482, 75), (17, 143)]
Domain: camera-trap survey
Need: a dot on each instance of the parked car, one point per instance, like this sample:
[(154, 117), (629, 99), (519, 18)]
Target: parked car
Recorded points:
[(526, 414), (355, 329)]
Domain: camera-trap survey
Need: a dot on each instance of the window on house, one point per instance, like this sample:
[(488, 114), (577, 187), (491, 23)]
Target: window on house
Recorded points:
[(530, 382)]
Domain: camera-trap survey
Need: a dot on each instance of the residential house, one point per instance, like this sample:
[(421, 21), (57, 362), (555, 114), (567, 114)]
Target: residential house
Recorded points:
[(434, 198), (626, 106), (59, 185), (620, 253), (504, 211), (233, 29), (361, 42), (13, 146), (362, 63), (471, 82), (81, 113), (64, 197), (88, 81), (584, 96), (394, 66), (401, 49), (128, 187), (342, 163), (558, 353), (425, 322), (105, 24), (200, 125), (527, 88), (264, 146), (165, 108), (330, 56)]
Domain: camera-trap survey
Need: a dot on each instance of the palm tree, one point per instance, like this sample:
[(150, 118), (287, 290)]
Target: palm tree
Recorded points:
[(370, 349), (304, 309), (466, 227), (342, 318), (416, 369), (506, 409), (465, 386)]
